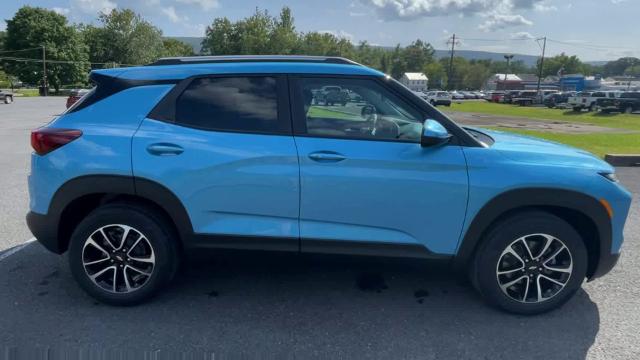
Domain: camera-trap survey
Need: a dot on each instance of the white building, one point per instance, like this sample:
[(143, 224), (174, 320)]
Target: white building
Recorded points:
[(415, 81)]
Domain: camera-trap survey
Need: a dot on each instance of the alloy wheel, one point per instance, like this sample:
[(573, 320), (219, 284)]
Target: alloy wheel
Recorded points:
[(118, 258), (534, 268)]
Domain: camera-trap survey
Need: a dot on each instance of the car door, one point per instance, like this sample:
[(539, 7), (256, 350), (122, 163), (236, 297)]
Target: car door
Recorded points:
[(366, 182), (223, 146)]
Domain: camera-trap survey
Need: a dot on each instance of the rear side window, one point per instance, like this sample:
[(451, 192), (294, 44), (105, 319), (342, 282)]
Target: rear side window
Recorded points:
[(242, 104)]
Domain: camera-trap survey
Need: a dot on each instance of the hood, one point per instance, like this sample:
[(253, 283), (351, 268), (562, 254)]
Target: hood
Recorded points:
[(529, 149)]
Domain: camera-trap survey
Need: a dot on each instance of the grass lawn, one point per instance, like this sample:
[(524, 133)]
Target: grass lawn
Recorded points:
[(28, 92), (619, 121), (597, 143)]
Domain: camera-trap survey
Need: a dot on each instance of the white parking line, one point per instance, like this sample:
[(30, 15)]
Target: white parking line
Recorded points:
[(15, 249)]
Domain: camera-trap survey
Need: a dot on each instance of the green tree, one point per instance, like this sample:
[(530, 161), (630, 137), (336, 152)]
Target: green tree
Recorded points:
[(568, 65), (633, 70), (220, 38), (397, 64), (326, 44), (124, 38), (417, 55), (173, 47), (476, 75), (33, 27), (283, 39), (618, 67), (437, 75)]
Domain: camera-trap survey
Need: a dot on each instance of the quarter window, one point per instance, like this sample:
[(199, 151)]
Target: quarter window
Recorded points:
[(243, 104)]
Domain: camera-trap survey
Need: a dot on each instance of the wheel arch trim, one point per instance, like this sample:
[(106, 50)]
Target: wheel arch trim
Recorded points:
[(514, 200), (75, 188)]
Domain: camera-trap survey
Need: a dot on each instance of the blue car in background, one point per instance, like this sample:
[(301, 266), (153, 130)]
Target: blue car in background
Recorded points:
[(235, 152)]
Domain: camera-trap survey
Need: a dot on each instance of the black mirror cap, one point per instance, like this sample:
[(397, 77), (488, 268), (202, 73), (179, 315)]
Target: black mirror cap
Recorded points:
[(431, 141)]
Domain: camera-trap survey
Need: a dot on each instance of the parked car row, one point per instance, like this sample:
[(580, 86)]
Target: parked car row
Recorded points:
[(626, 102), (605, 101), (440, 97)]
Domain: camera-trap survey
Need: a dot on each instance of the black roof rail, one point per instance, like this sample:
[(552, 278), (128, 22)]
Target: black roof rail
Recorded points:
[(252, 58)]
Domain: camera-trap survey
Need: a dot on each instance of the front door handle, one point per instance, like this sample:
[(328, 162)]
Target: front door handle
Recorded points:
[(164, 149), (326, 156)]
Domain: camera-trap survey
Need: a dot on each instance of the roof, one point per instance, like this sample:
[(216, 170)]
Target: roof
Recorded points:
[(185, 67), (510, 77), (416, 76), (528, 77)]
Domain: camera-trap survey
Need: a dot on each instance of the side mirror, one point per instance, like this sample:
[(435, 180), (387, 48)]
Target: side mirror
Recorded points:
[(434, 134)]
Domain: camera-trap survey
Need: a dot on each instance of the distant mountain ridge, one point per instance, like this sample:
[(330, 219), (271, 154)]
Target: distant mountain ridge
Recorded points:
[(529, 60)]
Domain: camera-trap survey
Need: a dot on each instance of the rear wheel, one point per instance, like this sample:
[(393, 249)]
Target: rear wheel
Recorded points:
[(8, 99), (122, 254), (628, 110), (530, 263), (592, 107)]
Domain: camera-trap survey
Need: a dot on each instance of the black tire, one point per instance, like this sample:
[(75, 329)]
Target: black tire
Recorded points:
[(592, 107), (628, 110), (577, 109), (161, 238), (483, 271), (8, 99)]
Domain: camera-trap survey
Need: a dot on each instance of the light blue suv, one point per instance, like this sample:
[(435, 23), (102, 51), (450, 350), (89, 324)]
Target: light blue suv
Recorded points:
[(240, 152)]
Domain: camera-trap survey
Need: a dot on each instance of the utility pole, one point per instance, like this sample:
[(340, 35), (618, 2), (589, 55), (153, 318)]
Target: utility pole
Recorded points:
[(44, 72), (506, 74), (453, 42), (544, 48)]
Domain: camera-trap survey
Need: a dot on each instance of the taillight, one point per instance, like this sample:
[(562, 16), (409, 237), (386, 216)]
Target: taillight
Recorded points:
[(45, 140)]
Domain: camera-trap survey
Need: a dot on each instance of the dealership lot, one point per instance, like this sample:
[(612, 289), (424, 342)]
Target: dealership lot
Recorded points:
[(290, 305)]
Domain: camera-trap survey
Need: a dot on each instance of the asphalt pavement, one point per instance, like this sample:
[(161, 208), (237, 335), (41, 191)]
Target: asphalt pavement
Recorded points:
[(268, 305)]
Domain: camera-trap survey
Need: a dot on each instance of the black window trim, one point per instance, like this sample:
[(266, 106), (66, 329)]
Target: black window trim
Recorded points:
[(165, 110)]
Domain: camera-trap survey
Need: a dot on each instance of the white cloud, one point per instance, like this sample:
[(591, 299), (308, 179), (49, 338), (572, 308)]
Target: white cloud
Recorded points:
[(522, 35), (339, 34), (545, 6), (171, 13), (413, 9), (60, 10), (204, 4), (94, 6), (502, 21)]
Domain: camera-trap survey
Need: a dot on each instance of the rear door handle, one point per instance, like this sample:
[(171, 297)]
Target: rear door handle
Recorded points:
[(326, 156), (164, 149)]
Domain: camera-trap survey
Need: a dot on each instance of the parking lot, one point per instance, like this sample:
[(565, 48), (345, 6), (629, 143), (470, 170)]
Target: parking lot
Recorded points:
[(236, 304)]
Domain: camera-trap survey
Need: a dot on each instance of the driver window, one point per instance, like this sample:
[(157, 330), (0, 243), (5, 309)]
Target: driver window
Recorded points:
[(357, 109)]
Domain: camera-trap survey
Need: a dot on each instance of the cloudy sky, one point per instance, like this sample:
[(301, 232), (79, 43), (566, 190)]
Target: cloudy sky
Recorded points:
[(591, 29)]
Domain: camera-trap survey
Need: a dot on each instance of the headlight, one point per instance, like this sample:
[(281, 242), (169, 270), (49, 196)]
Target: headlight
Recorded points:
[(610, 176)]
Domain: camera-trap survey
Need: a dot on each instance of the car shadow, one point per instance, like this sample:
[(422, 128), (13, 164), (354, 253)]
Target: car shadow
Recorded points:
[(286, 305)]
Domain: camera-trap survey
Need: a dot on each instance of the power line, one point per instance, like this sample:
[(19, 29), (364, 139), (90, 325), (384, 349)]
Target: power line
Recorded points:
[(494, 40), (591, 46)]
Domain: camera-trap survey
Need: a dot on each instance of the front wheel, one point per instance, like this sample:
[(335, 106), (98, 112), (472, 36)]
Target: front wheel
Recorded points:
[(8, 99), (530, 263), (123, 254), (628, 110)]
